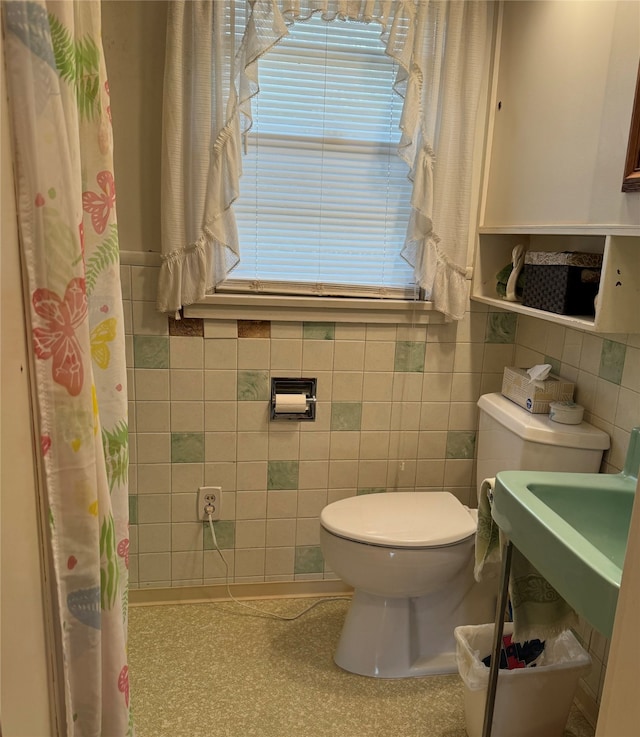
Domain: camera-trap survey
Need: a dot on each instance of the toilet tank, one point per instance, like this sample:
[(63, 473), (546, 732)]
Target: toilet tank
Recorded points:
[(512, 439)]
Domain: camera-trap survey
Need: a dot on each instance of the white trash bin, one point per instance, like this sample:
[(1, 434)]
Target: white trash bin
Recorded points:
[(530, 702)]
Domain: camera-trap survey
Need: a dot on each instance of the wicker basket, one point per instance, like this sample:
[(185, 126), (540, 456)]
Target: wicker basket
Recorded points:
[(566, 283)]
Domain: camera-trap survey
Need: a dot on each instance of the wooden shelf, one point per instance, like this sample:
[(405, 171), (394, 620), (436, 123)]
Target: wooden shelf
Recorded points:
[(618, 309)]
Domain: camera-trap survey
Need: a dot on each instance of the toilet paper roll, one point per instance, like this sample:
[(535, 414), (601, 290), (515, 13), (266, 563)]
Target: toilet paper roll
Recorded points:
[(290, 403)]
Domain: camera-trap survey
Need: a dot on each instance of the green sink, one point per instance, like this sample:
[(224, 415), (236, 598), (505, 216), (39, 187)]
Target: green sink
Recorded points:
[(573, 527)]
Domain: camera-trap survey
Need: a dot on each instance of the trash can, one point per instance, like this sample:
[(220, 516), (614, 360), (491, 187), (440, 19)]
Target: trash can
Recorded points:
[(530, 702)]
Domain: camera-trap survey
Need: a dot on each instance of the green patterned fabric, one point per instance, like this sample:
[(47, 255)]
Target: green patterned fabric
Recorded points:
[(538, 610)]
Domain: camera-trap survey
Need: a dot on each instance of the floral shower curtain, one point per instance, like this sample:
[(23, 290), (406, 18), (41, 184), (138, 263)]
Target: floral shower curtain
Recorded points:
[(59, 105)]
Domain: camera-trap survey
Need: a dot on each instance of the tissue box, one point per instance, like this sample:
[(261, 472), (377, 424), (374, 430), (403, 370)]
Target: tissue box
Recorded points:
[(516, 386)]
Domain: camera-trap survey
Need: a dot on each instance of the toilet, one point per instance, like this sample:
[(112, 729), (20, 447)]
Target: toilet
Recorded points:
[(409, 556)]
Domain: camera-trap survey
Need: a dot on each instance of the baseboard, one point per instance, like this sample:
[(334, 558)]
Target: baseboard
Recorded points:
[(218, 592)]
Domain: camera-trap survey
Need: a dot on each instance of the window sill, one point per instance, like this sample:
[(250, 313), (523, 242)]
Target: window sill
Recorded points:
[(287, 308)]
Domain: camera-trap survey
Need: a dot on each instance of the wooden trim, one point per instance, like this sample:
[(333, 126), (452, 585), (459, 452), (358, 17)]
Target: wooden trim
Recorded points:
[(254, 590), (631, 181)]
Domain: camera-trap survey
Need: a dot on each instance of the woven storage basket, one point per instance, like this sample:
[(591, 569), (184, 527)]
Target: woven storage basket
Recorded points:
[(566, 283)]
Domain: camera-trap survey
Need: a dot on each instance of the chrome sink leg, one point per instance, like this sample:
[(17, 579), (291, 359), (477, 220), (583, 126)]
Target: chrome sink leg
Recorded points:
[(503, 598)]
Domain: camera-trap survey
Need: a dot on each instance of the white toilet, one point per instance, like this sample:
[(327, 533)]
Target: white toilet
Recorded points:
[(409, 556)]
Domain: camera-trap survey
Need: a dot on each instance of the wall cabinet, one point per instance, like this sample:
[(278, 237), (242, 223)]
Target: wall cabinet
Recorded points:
[(618, 303)]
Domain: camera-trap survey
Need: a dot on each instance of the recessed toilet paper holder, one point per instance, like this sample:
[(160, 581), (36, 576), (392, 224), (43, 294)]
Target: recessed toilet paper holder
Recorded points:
[(302, 392)]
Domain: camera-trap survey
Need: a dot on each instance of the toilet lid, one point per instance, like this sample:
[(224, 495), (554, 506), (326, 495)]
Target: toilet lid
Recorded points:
[(401, 519)]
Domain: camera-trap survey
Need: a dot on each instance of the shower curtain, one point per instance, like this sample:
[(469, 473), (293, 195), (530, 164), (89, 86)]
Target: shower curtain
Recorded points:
[(59, 106)]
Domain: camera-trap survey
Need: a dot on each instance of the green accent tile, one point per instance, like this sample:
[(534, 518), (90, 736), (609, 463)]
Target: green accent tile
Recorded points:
[(225, 530), (460, 444), (554, 363), (253, 386), (346, 415), (372, 490), (187, 447), (501, 327), (409, 356), (133, 510), (151, 351), (612, 361), (308, 559), (282, 475), (319, 330)]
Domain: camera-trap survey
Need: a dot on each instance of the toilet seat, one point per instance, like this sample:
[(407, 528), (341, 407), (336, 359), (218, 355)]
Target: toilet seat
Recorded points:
[(400, 519)]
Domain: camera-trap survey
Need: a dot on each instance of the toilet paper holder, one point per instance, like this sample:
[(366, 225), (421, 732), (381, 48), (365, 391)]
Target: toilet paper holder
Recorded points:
[(296, 388)]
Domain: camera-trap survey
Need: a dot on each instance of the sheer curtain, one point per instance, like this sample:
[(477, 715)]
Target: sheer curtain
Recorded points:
[(59, 105), (440, 47)]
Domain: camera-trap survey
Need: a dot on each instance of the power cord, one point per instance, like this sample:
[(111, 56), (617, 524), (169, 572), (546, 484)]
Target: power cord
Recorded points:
[(209, 511)]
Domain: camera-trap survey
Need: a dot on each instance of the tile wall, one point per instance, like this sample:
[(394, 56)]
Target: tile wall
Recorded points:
[(396, 410)]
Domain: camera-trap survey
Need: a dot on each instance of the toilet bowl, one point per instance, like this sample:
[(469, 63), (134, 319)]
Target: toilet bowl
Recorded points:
[(409, 555)]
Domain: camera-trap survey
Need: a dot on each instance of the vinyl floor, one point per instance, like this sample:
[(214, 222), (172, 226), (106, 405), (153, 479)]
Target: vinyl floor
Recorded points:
[(219, 670)]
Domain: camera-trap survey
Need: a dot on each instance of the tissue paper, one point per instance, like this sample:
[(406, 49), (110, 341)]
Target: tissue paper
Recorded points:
[(535, 395), (538, 374)]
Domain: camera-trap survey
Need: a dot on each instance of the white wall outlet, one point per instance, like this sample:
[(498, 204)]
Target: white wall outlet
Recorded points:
[(209, 496)]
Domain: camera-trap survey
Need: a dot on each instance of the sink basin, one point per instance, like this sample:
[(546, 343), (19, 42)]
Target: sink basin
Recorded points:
[(573, 527)]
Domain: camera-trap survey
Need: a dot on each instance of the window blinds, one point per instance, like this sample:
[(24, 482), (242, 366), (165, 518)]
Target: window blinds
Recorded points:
[(324, 198)]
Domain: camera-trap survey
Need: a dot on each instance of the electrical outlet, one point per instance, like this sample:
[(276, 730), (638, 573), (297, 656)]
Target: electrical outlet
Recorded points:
[(209, 496)]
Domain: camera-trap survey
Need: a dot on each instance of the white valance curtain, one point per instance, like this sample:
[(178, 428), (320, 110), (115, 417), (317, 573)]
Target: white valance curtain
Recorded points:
[(440, 47)]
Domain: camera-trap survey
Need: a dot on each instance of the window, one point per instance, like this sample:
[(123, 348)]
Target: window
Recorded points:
[(324, 197)]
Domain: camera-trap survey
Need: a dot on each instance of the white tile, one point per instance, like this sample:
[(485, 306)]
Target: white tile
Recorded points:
[(350, 331), (348, 355), (556, 339), (220, 416), (186, 477), (374, 444), (253, 446), (463, 416), (405, 416), (412, 334), (284, 446), (220, 329), (308, 531), (430, 472), (526, 357), (125, 282), (313, 474), (154, 538), (151, 384), (381, 332), (403, 445), (458, 472), (343, 474), (628, 410), (220, 473), (249, 562), (154, 447), (631, 372), (251, 475), (606, 400), (432, 444), (281, 532), (465, 387), (154, 567), (184, 507), (186, 352), (221, 353), (187, 567), (279, 561), (220, 446), (214, 569), (147, 320), (434, 416), (286, 330), (439, 357), (311, 502), (152, 416), (314, 446), (144, 282), (376, 416), (253, 416), (253, 353), (496, 357), (251, 505), (186, 536), (186, 385), (344, 445), (187, 416), (371, 472), (282, 504), (286, 356), (591, 353), (154, 508), (347, 386), (407, 386), (317, 355), (436, 387), (379, 356), (250, 533), (532, 333), (220, 385), (377, 387)]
